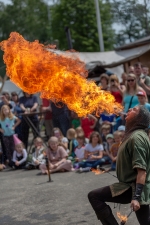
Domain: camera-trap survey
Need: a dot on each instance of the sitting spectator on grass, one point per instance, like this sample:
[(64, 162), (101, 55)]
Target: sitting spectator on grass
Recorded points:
[(38, 156), (57, 157), (19, 155)]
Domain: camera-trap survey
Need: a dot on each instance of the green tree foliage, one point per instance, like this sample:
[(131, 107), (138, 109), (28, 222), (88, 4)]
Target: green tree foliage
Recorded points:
[(80, 17), (28, 17), (133, 18)]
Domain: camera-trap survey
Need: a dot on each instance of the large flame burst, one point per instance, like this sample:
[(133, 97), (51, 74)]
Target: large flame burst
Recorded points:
[(57, 77)]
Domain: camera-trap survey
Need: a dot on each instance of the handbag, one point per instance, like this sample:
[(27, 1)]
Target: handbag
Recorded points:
[(130, 103)]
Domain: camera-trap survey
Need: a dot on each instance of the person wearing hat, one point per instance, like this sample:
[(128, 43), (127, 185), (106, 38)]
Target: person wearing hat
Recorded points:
[(19, 155), (121, 129), (142, 97)]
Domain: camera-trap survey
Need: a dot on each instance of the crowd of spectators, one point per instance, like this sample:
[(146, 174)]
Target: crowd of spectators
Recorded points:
[(73, 143)]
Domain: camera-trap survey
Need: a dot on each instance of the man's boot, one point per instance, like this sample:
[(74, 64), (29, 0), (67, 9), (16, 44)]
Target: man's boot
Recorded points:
[(106, 216)]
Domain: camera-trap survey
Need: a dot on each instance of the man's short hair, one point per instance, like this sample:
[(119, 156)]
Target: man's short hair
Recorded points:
[(138, 64)]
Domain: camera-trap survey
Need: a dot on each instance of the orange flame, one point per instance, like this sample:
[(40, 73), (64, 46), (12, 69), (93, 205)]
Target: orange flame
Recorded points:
[(97, 172), (57, 77), (121, 217)]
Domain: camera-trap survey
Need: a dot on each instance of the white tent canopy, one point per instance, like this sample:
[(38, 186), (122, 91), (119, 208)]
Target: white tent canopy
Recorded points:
[(113, 58)]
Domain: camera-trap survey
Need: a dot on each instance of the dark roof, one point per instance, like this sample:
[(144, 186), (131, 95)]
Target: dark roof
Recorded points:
[(137, 43)]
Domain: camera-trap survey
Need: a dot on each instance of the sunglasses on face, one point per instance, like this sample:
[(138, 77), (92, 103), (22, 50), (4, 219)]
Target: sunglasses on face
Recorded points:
[(112, 80), (131, 80)]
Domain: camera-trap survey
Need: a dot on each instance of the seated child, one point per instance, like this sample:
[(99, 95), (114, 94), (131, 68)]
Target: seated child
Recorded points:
[(109, 143), (19, 155), (38, 156), (79, 151), (57, 158), (80, 131), (121, 129), (93, 153), (114, 149)]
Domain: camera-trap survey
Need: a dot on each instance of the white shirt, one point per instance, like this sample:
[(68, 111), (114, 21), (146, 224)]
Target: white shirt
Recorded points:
[(79, 152), (97, 148), (16, 154)]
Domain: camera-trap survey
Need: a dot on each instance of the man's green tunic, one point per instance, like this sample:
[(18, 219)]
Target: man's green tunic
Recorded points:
[(133, 153)]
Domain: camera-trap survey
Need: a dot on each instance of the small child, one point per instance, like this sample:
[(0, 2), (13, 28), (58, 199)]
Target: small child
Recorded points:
[(108, 144), (114, 149), (110, 141), (38, 156), (71, 135), (19, 155), (121, 129), (79, 151)]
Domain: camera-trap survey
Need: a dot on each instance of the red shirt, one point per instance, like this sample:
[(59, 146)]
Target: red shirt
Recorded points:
[(46, 103), (85, 124), (117, 96)]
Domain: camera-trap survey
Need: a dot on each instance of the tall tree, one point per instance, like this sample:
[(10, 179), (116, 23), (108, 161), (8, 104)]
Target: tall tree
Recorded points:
[(28, 17), (80, 17), (133, 19)]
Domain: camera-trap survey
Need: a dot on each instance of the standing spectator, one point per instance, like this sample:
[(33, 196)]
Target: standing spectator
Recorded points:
[(60, 116), (124, 79), (15, 98), (8, 123), (143, 81), (5, 100), (104, 82), (17, 111), (130, 98), (143, 99), (116, 89), (47, 117), (75, 120), (28, 103), (88, 124), (131, 69), (145, 70)]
